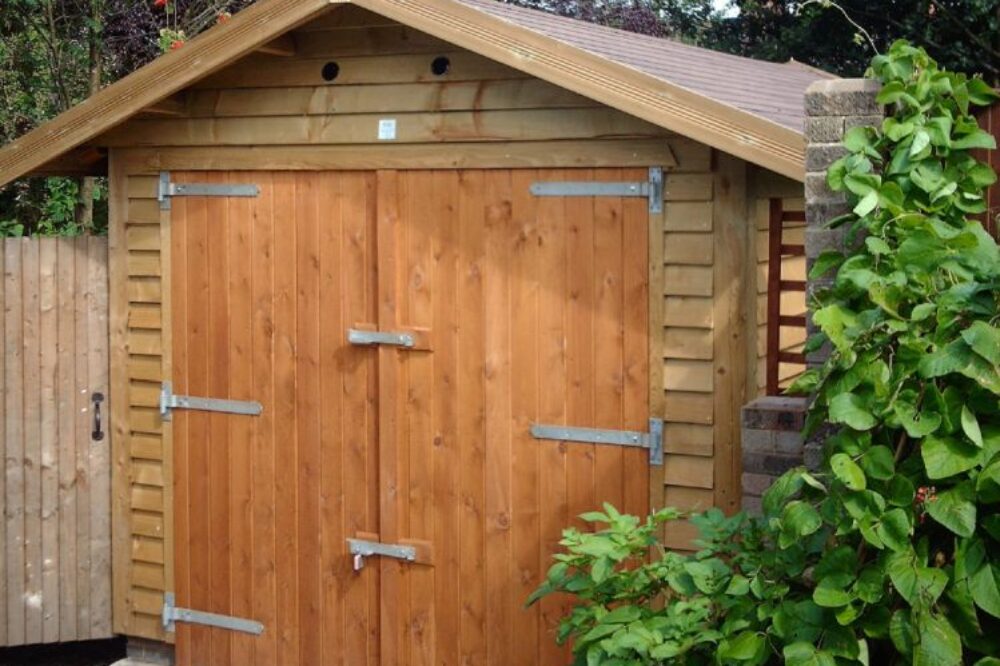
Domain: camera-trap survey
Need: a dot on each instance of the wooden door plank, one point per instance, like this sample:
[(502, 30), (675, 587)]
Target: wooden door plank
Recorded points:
[(265, 427), (525, 264), (31, 502), (418, 230), (218, 444), (241, 430), (4, 447), (307, 408), (179, 272), (14, 386), (336, 427), (391, 400), (285, 397), (100, 455), (636, 345), (446, 407), (66, 389), (49, 438), (497, 517), (82, 437), (553, 323), (471, 423), (609, 338), (580, 349)]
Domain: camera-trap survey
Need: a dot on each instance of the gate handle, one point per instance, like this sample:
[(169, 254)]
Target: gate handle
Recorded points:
[(97, 434)]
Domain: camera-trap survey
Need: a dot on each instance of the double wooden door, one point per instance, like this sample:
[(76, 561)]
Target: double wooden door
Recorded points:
[(523, 310)]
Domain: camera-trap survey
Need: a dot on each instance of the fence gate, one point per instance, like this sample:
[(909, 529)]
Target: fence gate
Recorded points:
[(358, 363), (55, 490)]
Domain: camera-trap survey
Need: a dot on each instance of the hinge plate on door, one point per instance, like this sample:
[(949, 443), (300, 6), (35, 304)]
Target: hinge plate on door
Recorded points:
[(173, 614), (651, 189), (166, 190), (360, 549), (170, 402), (366, 338), (652, 440)]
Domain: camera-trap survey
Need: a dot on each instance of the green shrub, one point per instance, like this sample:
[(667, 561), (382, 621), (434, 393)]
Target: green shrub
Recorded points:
[(890, 553)]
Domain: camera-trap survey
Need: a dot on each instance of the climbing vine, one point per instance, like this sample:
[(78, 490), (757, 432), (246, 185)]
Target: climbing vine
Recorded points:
[(890, 552)]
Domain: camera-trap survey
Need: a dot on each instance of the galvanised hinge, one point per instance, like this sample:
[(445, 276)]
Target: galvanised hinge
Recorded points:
[(172, 614), (166, 190), (651, 189), (170, 402), (652, 440)]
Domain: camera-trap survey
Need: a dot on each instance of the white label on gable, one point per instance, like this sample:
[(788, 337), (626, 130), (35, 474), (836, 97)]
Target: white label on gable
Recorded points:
[(387, 129)]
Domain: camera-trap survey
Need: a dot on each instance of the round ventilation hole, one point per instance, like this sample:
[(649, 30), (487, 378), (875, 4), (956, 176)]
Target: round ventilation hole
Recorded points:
[(331, 71), (441, 66)]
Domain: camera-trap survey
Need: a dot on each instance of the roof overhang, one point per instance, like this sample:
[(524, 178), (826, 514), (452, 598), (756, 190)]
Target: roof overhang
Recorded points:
[(740, 133)]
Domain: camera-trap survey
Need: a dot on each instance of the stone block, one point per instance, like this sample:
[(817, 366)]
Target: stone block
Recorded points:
[(775, 413), (812, 456), (789, 442), (817, 190), (755, 484), (825, 129), (850, 122), (759, 441), (820, 240), (819, 214), (752, 505), (770, 464), (843, 97), (819, 156)]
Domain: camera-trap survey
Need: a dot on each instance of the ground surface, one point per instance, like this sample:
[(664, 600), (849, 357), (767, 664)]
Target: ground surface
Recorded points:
[(93, 653)]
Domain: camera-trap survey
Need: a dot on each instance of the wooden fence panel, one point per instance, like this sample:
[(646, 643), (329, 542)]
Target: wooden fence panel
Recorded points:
[(989, 120), (55, 564)]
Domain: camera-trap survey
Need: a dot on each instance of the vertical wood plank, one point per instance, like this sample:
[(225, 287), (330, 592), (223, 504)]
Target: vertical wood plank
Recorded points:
[(177, 372), (286, 395), (4, 448), (637, 317), (496, 300), (471, 424), (118, 433), (447, 404), (241, 526), (553, 322), (81, 341), (68, 630), (391, 399), (264, 517), (218, 477), (49, 436), (307, 406), (525, 264), (100, 458), (32, 501), (14, 412), (731, 355)]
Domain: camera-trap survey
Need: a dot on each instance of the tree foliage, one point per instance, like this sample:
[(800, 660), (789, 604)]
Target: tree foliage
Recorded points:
[(890, 553)]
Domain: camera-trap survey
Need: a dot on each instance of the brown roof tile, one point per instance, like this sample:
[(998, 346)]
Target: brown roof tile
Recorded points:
[(771, 90)]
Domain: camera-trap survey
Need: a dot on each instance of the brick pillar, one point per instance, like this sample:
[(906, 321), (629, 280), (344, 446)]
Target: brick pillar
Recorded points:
[(832, 108), (772, 439)]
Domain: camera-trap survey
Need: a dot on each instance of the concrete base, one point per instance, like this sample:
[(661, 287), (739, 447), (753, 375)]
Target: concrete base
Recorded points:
[(143, 652)]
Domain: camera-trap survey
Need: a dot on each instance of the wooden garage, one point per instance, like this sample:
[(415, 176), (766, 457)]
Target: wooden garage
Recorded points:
[(398, 289)]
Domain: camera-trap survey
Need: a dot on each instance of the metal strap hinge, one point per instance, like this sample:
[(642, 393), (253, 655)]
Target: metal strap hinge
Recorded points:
[(366, 338), (361, 549), (170, 402), (172, 614), (166, 190), (651, 189), (652, 440)]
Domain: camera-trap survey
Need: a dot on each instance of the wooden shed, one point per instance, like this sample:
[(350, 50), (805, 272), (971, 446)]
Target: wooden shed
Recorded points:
[(400, 287)]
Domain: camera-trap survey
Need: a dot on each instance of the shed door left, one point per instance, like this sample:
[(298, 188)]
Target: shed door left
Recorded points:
[(263, 290)]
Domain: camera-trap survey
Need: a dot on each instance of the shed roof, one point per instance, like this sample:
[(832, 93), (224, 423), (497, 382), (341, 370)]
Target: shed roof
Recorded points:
[(748, 108)]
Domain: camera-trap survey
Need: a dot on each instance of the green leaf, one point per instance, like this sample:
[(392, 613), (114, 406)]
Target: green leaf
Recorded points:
[(919, 585), (923, 311), (984, 589), (970, 426), (980, 92), (850, 409), (800, 519), (746, 646), (894, 530), (878, 463), (829, 597), (920, 141), (946, 456), (937, 643), (825, 262), (954, 509), (781, 491), (901, 632), (806, 654), (848, 471), (977, 139), (622, 615), (867, 204), (984, 340)]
